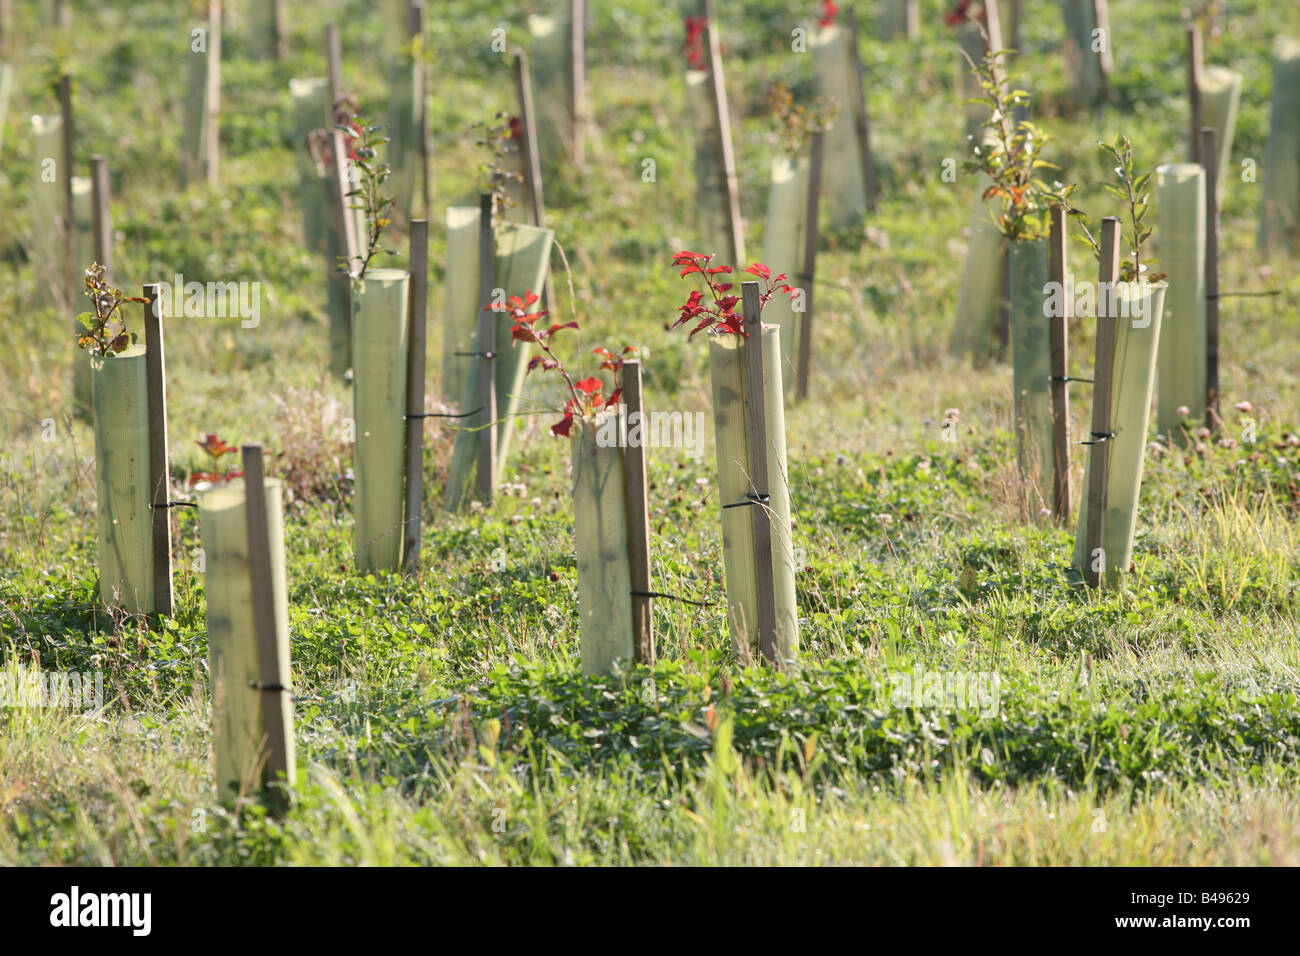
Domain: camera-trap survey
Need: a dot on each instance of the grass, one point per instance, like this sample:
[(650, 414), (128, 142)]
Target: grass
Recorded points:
[(445, 719)]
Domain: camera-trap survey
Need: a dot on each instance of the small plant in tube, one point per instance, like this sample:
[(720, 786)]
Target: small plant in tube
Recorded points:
[(104, 330), (216, 449), (719, 314), (367, 194), (1132, 192)]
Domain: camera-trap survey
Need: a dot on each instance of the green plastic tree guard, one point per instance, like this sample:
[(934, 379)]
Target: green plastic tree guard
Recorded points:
[(975, 331), (405, 81), (783, 246), (552, 79), (1134, 378), (6, 89), (1031, 356), (1279, 216), (523, 255), (232, 641), (121, 419), (600, 531), (83, 246), (47, 208), (311, 110), (727, 372), (379, 342), (1220, 96), (846, 193), (1085, 50), (710, 178), (460, 309), (1181, 362)]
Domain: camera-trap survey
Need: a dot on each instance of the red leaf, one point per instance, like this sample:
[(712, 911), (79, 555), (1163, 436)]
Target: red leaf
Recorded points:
[(562, 427), (613, 399), (565, 325), (589, 386), (760, 270), (524, 333)]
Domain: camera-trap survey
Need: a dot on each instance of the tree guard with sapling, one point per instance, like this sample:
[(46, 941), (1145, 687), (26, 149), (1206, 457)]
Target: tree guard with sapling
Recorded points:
[(311, 109), (1279, 215), (843, 174), (710, 181), (46, 208), (1181, 356), (1220, 96), (550, 57), (406, 85), (83, 250), (729, 365), (233, 664)]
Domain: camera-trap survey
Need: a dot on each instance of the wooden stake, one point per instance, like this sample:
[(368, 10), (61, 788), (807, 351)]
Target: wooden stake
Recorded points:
[(415, 372), (756, 424), (486, 348), (1059, 325), (422, 127), (272, 683), (1194, 65), (578, 76), (808, 276), (279, 37), (859, 107), (1099, 454), (211, 119), (723, 120), (159, 472), (341, 185), (103, 221), (532, 157), (1210, 154), (6, 28), (334, 61), (912, 19), (65, 174), (638, 516), (1004, 302)]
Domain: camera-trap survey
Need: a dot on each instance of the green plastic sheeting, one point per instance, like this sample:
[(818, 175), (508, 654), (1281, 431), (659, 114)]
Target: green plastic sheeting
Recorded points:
[(194, 140), (1220, 96), (1085, 63), (311, 110), (1130, 397), (600, 531), (552, 81), (460, 308), (1031, 356), (1181, 362), (47, 208), (1279, 215), (523, 255), (712, 235), (783, 244), (842, 185), (975, 330), (727, 372), (232, 637), (379, 343), (83, 246), (121, 416)]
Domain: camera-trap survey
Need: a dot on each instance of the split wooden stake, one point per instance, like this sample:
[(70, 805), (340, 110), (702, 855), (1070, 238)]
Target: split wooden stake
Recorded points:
[(760, 510), (1059, 326), (486, 348), (279, 36), (272, 682), (1210, 152), (416, 11), (578, 77), (1094, 570), (532, 158), (103, 221), (723, 120), (808, 277), (415, 371), (859, 107), (637, 508), (1194, 67), (159, 471)]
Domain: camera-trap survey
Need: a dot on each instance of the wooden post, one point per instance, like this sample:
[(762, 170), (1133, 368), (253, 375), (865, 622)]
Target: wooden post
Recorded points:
[(723, 119), (103, 221), (272, 683), (1194, 63), (159, 471), (1210, 154), (416, 10), (1004, 302), (578, 80), (6, 28), (1059, 326), (211, 119), (1099, 456), (756, 424), (912, 19), (532, 157), (279, 38), (334, 61), (638, 516), (859, 107), (486, 348), (65, 176), (415, 372), (341, 184), (808, 276)]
